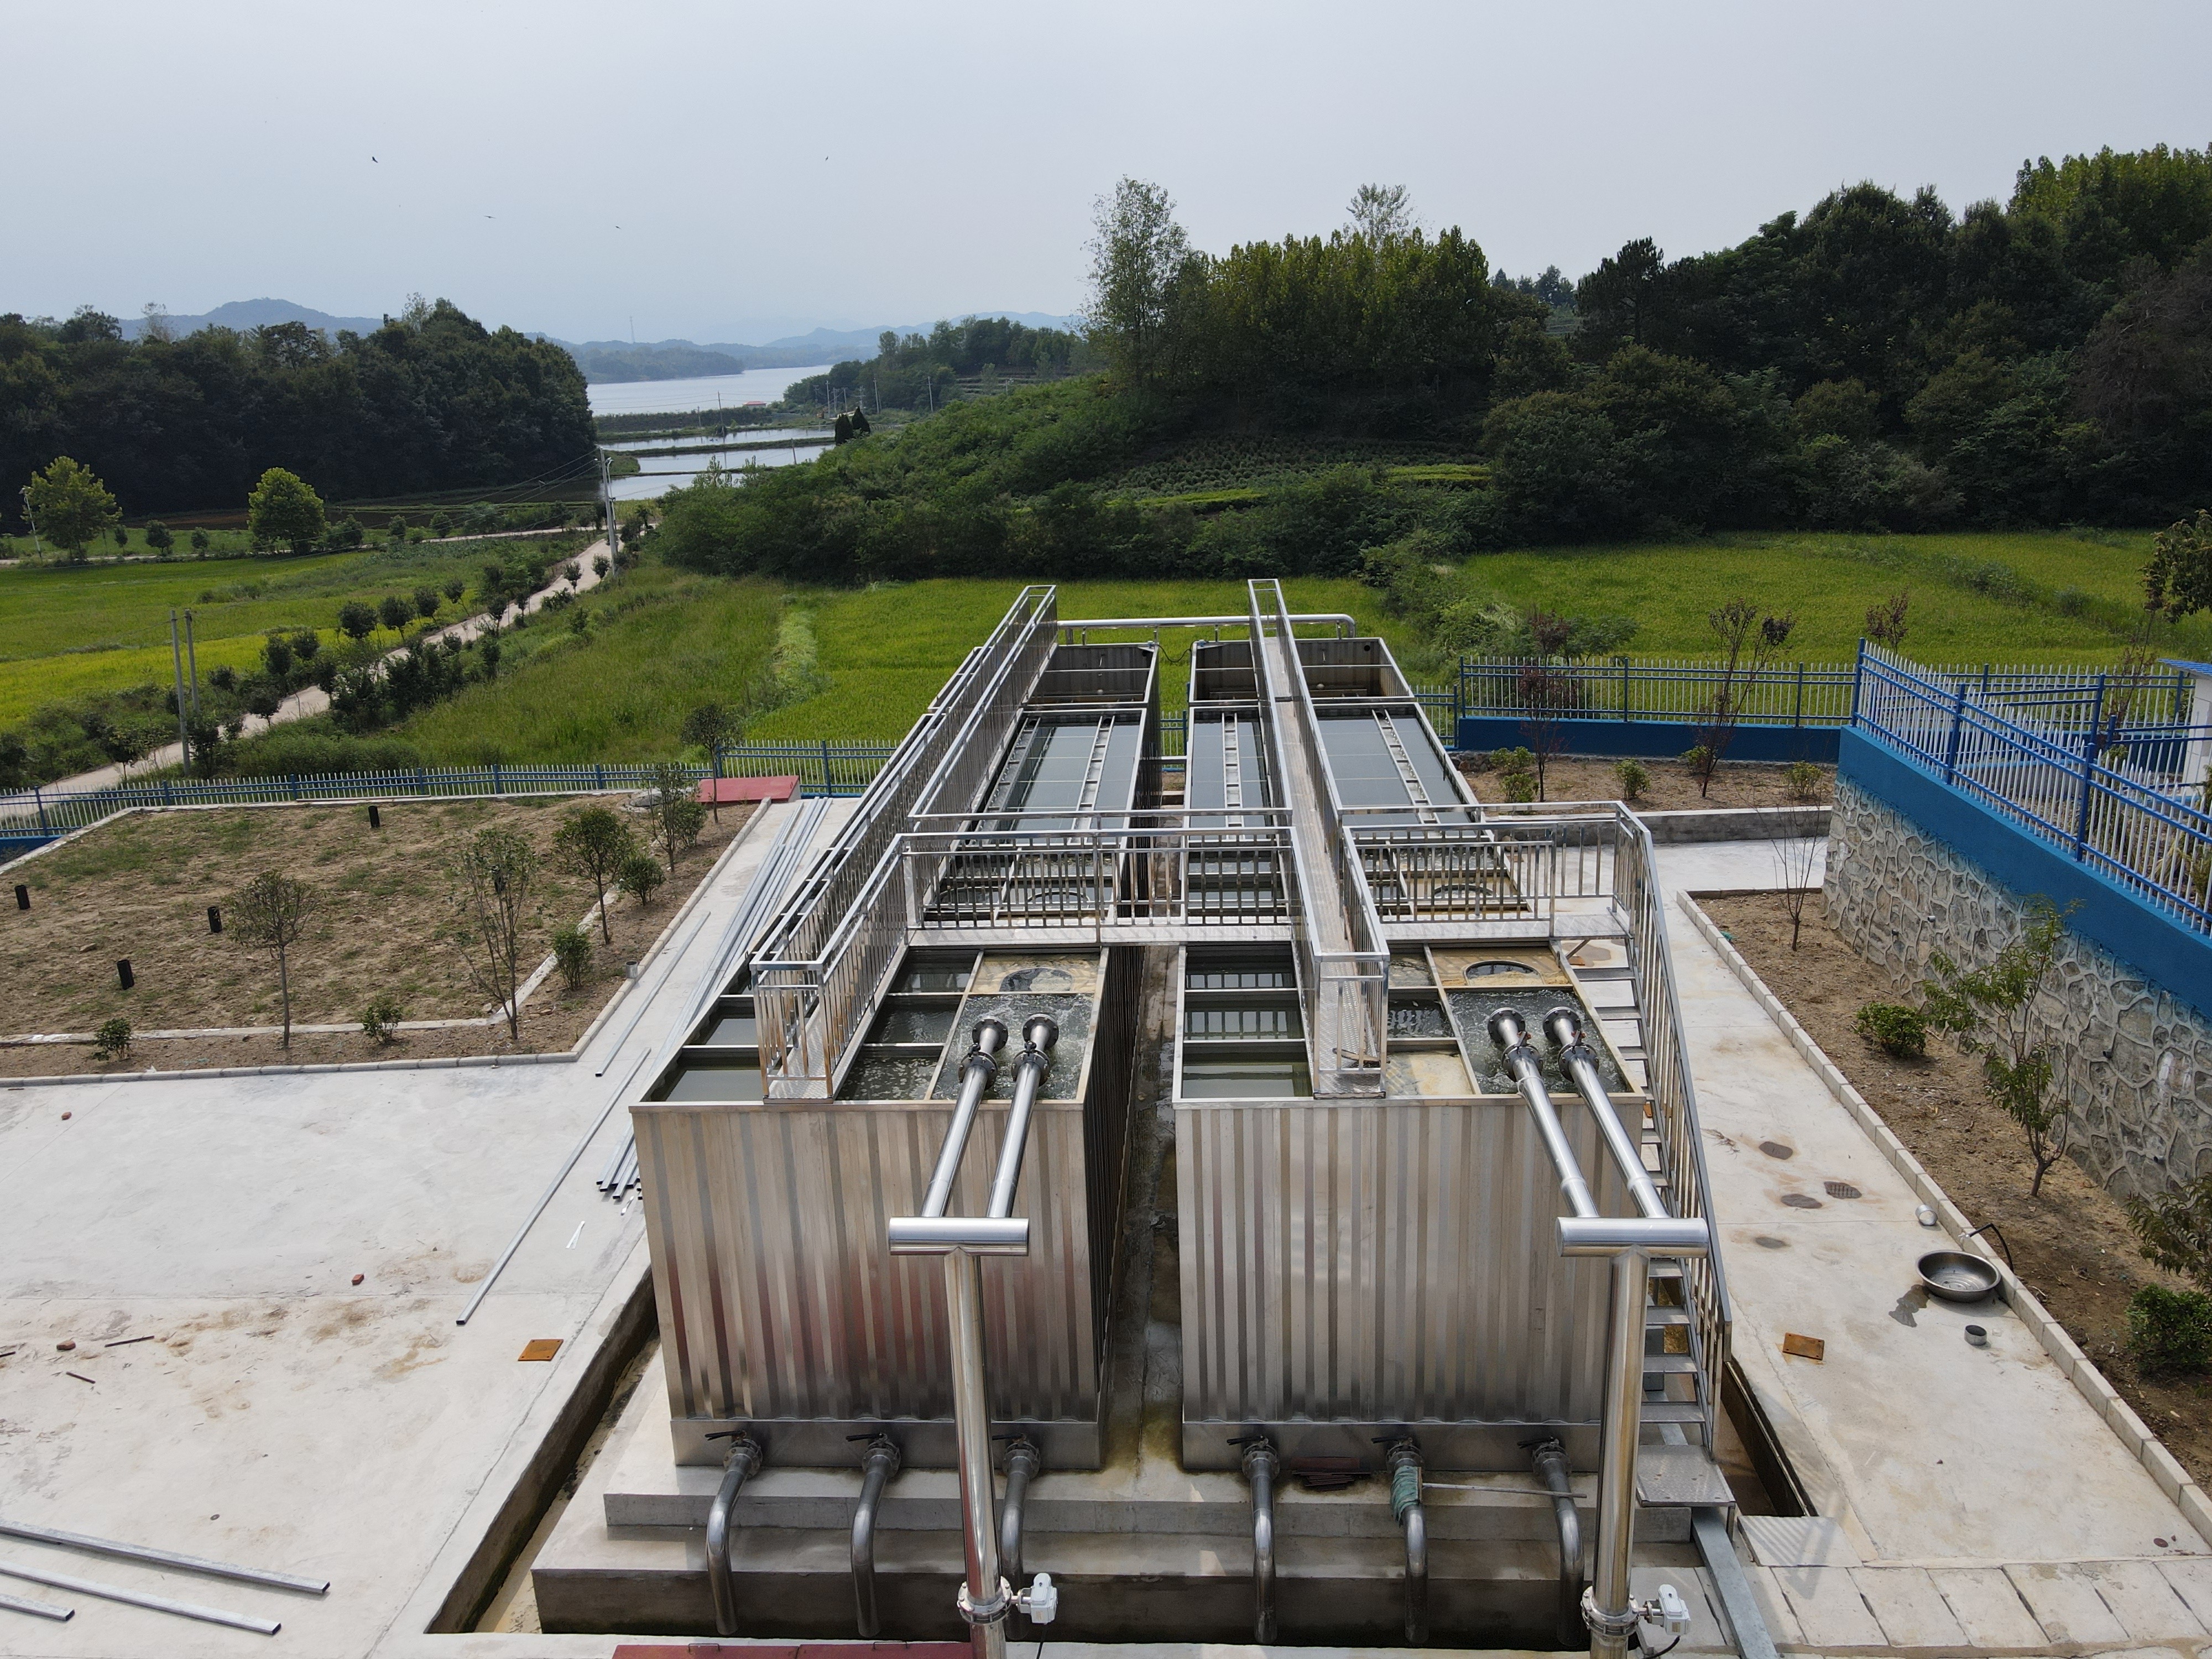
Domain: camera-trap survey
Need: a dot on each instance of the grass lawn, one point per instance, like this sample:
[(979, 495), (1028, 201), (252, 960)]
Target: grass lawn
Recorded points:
[(68, 629)]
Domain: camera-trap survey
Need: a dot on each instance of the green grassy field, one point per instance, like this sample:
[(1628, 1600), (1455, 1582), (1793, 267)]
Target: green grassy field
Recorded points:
[(1975, 598), (661, 641), (69, 629)]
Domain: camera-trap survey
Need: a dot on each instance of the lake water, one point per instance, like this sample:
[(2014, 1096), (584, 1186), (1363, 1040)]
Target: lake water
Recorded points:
[(661, 473), (674, 396)]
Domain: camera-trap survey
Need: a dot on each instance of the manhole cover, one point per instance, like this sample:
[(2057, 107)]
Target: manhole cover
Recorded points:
[(1775, 1149), (1842, 1189), (1801, 1201)]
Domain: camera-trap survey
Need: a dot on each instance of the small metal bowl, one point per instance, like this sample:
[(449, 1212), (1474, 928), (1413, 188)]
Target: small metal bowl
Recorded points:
[(1957, 1276)]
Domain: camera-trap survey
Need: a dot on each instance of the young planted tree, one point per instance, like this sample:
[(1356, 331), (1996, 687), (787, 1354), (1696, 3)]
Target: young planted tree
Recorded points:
[(2177, 580), (159, 536), (69, 506), (491, 878), (426, 601), (1795, 857), (713, 726), (1886, 622), (397, 530), (356, 620), (1993, 1011), (677, 814), (122, 534), (641, 876), (274, 912), (593, 842), (284, 511), (395, 612), (1750, 641), (454, 588)]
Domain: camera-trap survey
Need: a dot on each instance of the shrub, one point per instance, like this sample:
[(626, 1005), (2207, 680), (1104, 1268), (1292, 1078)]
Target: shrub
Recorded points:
[(640, 878), (427, 602), (395, 612), (200, 542), (1699, 760), (1894, 1029), (1634, 778), (454, 588), (223, 677), (276, 652), (2170, 1331), (306, 643), (122, 535), (1804, 782), (572, 954), (1517, 773), (356, 620), (160, 537), (2175, 1230), (599, 567), (112, 1042), (380, 1021)]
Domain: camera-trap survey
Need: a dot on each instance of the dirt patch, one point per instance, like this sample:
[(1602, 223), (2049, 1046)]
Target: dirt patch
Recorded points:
[(1673, 788), (2071, 1245), (140, 888)]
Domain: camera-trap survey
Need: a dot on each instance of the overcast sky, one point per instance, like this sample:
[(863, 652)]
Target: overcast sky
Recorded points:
[(734, 172)]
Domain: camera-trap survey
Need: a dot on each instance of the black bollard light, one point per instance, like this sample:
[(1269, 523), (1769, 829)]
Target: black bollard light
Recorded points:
[(215, 919), (123, 972), (23, 895), (375, 821)]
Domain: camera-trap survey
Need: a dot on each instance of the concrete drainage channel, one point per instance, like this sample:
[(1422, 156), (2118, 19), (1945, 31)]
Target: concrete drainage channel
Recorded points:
[(496, 1577)]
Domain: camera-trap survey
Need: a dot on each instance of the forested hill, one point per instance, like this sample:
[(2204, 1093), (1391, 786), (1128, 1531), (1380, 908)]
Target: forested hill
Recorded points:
[(1877, 363), (431, 400)]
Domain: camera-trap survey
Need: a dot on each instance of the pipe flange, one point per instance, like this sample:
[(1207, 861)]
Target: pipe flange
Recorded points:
[(1621, 1625), (993, 1611)]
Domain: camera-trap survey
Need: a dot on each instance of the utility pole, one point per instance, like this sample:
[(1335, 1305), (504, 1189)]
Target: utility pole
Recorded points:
[(177, 662), (607, 500), (36, 547), (192, 666)]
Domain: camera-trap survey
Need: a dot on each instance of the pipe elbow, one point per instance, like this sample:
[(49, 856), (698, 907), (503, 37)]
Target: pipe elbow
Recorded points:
[(1262, 1465), (882, 1462), (744, 1460)]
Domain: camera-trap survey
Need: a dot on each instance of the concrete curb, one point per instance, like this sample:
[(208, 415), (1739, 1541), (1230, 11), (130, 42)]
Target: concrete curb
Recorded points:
[(2144, 1446)]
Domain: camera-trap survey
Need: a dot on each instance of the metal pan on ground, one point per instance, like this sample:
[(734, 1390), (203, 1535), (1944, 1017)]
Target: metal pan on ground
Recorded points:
[(1957, 1276)]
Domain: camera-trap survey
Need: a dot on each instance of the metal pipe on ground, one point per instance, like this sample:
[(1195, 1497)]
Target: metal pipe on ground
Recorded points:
[(140, 1599), (879, 1463), (743, 1463), (1405, 1465), (169, 1559), (1549, 1459), (37, 1610), (1262, 1464)]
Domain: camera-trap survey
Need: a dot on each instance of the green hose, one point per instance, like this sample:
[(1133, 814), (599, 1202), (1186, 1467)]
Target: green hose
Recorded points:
[(1405, 1488)]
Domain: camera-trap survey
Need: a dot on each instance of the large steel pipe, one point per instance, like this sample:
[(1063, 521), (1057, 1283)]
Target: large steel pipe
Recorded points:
[(1549, 1459), (1606, 1607), (985, 1598), (1261, 1465), (1564, 1027), (743, 1463), (976, 1074), (1405, 1465), (1039, 1033), (1510, 1034), (879, 1465)]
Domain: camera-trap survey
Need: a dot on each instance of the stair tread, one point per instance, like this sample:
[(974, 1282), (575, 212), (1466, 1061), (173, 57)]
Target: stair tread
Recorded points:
[(1670, 1365), (1674, 1411)]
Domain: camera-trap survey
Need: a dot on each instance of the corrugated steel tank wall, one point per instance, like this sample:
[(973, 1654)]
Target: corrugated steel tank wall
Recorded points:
[(779, 1300), (1383, 1263)]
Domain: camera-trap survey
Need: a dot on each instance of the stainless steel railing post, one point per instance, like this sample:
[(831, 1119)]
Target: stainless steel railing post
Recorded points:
[(984, 1598), (1607, 1605)]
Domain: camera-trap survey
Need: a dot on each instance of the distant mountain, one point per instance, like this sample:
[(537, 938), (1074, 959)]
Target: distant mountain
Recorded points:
[(257, 313)]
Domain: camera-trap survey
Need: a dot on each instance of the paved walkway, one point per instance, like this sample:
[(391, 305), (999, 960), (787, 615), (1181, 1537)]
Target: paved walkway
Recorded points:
[(284, 1416), (312, 700), (1977, 1500)]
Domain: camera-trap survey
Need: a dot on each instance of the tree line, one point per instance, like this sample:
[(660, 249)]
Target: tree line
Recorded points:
[(430, 401), (921, 371)]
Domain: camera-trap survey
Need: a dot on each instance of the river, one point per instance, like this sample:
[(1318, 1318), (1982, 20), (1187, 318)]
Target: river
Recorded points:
[(732, 392), (761, 385)]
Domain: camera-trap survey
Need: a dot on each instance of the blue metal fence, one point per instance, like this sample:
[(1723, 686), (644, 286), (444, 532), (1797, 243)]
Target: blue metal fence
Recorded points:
[(33, 817), (2119, 797)]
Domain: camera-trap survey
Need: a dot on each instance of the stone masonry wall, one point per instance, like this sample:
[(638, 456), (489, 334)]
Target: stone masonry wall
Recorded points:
[(2134, 1061)]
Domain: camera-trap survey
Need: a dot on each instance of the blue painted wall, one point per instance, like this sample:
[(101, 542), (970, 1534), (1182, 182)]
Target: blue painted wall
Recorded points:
[(2161, 949), (1663, 738)]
